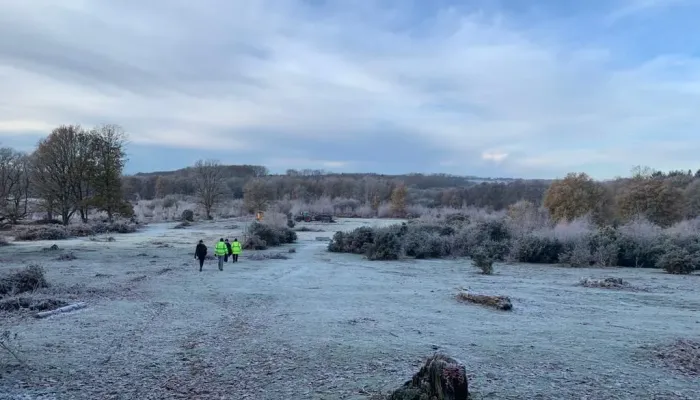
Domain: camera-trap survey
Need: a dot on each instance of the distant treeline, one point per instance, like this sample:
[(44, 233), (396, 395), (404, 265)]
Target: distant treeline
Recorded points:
[(663, 198), (431, 190)]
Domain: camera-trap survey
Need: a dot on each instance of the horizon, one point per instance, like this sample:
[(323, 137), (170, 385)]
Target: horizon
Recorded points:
[(521, 91)]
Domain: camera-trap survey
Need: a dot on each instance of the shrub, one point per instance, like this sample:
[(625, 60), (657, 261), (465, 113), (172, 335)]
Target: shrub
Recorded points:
[(27, 279), (536, 249), (633, 252), (677, 260), (3, 241), (44, 232), (605, 247), (484, 261), (376, 244), (169, 201), (82, 230), (386, 246), (187, 215), (577, 243), (577, 254), (254, 243), (423, 245), (272, 235), (120, 227), (356, 241), (50, 232)]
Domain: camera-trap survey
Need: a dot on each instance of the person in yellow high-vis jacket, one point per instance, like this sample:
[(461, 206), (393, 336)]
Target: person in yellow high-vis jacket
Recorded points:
[(221, 250), (235, 249)]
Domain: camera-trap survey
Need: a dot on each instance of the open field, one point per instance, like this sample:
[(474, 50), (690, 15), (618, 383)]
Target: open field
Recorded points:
[(323, 325)]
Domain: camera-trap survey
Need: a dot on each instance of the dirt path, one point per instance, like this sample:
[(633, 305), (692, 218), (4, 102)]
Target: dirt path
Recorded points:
[(329, 326)]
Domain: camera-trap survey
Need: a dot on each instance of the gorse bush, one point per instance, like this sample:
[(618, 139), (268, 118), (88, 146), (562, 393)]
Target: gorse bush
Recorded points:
[(264, 235), (59, 232), (536, 249), (677, 260), (490, 239), (46, 232), (484, 261)]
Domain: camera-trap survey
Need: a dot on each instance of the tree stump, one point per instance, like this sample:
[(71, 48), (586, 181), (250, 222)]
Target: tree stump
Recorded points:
[(441, 378)]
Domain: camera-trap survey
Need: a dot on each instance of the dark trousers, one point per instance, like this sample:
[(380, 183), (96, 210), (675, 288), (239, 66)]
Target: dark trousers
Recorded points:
[(201, 263), (235, 257), (226, 258)]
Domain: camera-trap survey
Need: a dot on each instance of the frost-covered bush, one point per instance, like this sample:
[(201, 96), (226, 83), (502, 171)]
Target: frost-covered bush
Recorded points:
[(677, 260), (356, 241), (386, 246), (43, 232), (272, 235), (536, 248), (426, 244), (254, 242), (578, 243), (640, 244), (483, 260), (59, 232), (187, 215), (374, 243), (169, 201), (605, 247)]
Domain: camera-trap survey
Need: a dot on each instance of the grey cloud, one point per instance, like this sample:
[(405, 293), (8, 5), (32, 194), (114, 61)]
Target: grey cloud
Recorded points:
[(347, 81)]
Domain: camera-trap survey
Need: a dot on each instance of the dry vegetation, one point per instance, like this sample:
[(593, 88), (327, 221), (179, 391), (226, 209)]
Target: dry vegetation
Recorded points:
[(524, 235), (682, 355), (498, 302)]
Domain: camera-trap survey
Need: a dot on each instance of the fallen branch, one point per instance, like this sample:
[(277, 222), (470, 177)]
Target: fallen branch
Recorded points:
[(68, 308), (498, 302), (9, 350)]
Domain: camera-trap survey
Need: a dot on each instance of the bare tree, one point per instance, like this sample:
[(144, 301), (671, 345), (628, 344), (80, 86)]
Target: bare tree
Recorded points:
[(210, 183), (256, 196), (108, 152), (14, 185)]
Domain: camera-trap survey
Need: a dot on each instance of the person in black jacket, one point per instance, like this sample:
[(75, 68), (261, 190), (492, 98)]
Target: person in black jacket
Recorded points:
[(200, 253), (228, 250)]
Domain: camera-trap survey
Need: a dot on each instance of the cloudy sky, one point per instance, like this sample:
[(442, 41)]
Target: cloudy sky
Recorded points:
[(482, 87)]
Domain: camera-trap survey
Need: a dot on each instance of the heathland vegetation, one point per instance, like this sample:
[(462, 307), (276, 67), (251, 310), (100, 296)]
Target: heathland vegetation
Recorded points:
[(72, 184)]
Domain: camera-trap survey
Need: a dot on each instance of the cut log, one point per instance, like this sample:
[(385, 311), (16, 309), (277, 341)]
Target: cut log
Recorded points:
[(68, 308), (498, 302), (441, 378)]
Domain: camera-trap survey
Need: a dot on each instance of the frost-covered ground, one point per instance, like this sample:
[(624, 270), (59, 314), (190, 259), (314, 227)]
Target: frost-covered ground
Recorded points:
[(334, 326)]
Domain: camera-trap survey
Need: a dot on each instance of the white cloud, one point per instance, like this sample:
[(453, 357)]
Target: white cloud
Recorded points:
[(226, 75), (494, 156)]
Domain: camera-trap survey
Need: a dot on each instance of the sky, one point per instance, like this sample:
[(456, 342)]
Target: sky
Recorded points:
[(493, 88)]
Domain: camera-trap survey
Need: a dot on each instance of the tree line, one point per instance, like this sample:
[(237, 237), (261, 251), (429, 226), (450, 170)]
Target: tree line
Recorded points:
[(73, 171), (76, 170), (435, 190), (662, 198)]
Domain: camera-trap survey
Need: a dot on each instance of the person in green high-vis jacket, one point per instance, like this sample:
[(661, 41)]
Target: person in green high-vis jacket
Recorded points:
[(235, 249), (221, 250)]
